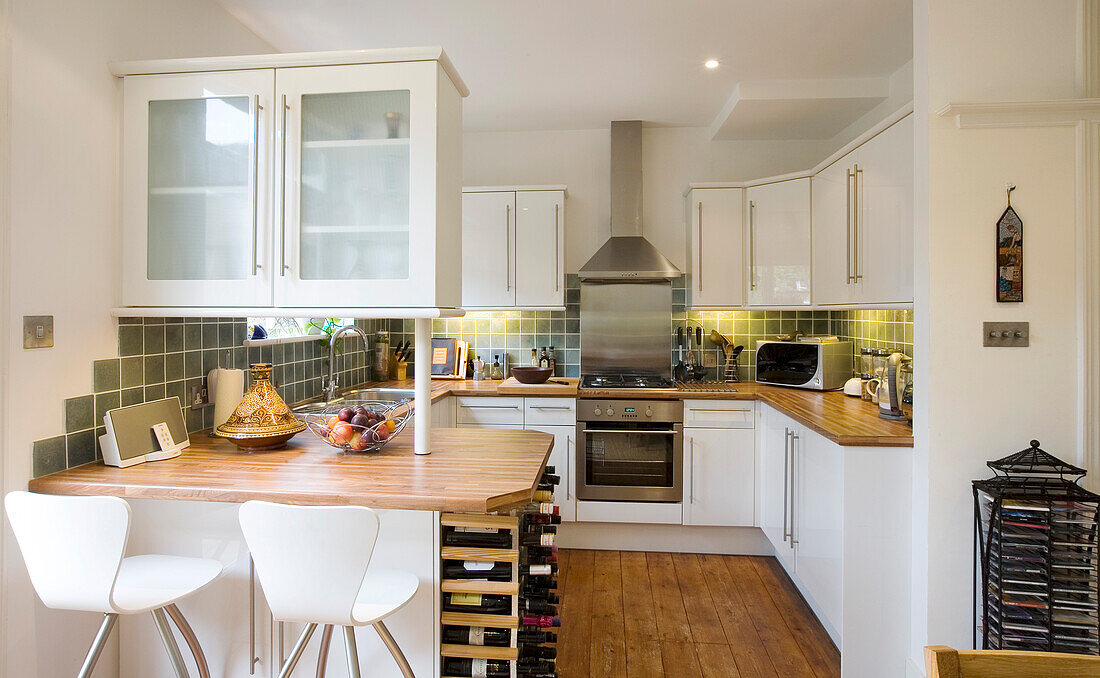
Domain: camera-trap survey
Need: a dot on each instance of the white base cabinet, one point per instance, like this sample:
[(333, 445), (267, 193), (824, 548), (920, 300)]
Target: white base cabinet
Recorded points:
[(719, 463), (839, 521)]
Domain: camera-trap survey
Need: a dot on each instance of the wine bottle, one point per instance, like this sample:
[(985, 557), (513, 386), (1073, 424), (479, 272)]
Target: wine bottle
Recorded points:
[(542, 519), (544, 360), (475, 538), (548, 469), (537, 539), (534, 358), (552, 362), (536, 637), (544, 495), (537, 652), (536, 674), (540, 621), (535, 559), (550, 478), (535, 664), (476, 635), (540, 594), (542, 569), (536, 606), (478, 603), (476, 569), (476, 668), (540, 582), (541, 551), (545, 507)]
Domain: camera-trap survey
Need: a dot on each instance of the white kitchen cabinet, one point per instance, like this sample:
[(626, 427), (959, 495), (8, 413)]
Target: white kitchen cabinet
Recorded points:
[(197, 158), (720, 472), (561, 458), (715, 241), (497, 412), (513, 248), (443, 413), (775, 483), (293, 187), (778, 216), (488, 231), (863, 223)]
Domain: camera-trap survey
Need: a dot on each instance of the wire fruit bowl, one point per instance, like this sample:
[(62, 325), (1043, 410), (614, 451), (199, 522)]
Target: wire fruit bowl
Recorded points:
[(369, 426)]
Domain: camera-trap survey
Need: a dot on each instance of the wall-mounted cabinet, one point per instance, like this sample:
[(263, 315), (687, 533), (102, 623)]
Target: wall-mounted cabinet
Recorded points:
[(863, 223), (778, 217), (715, 238), (513, 248), (316, 186)]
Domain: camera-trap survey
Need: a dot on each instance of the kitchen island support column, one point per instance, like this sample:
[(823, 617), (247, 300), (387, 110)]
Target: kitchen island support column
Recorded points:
[(422, 415)]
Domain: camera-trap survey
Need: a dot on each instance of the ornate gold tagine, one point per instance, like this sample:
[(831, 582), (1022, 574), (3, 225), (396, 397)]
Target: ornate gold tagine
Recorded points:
[(262, 421)]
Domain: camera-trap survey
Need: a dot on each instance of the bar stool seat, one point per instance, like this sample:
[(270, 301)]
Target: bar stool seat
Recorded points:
[(313, 565), (74, 549), (148, 582)]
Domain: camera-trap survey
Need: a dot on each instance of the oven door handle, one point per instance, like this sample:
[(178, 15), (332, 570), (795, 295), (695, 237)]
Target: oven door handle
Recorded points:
[(642, 432)]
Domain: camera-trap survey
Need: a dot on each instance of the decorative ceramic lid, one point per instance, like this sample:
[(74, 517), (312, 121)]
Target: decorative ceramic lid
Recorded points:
[(261, 413)]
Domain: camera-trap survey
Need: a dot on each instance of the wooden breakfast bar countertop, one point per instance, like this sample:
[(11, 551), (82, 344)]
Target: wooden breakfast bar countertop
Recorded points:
[(468, 471)]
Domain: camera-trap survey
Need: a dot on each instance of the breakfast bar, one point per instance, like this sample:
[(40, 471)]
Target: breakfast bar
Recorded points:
[(188, 506)]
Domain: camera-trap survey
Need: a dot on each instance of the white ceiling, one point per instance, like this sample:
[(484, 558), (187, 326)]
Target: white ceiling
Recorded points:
[(578, 64)]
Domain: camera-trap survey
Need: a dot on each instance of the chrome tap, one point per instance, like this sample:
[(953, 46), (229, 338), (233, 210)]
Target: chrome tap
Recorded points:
[(330, 385)]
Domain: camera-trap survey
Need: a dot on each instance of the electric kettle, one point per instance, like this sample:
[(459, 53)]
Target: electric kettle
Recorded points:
[(892, 387)]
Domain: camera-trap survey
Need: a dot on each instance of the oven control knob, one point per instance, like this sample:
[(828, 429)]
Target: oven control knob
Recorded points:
[(598, 412), (610, 412), (648, 412)]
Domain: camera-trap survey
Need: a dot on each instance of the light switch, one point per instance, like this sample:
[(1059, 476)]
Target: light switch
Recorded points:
[(37, 331), (1006, 334)]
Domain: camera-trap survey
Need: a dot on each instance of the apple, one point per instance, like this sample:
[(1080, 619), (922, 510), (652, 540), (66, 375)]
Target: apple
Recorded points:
[(342, 433), (332, 421), (381, 433), (358, 441)]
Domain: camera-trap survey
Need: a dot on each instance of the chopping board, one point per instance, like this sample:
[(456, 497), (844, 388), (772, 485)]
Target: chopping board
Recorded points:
[(511, 386)]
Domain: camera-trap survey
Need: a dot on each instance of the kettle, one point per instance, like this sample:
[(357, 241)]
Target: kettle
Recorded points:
[(892, 387)]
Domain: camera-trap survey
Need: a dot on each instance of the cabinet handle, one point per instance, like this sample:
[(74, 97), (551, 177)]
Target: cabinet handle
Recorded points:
[(508, 247), (786, 477), (490, 407), (552, 407), (256, 184), (848, 224), (557, 208), (716, 409), (794, 495), (700, 246), (858, 223), (282, 196), (252, 658), (752, 245), (568, 468), (691, 496)]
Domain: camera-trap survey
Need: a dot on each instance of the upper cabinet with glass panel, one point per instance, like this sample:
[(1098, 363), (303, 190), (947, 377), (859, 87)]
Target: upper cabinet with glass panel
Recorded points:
[(279, 181)]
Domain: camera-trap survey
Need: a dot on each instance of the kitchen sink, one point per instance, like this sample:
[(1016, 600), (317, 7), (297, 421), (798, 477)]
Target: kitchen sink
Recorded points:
[(395, 394)]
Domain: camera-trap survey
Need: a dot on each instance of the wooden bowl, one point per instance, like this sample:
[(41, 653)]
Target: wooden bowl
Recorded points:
[(531, 375)]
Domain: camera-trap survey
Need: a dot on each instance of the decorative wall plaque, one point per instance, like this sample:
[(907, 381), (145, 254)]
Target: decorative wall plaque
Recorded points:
[(1010, 254)]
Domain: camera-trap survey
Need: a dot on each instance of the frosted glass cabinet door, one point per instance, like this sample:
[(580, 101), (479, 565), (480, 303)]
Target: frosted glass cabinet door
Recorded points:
[(195, 219), (357, 163)]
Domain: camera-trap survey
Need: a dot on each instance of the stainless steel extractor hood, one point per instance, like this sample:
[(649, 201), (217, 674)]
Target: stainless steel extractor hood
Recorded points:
[(627, 255)]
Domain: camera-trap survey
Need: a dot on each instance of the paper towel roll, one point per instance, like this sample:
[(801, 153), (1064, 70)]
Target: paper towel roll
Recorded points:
[(228, 389)]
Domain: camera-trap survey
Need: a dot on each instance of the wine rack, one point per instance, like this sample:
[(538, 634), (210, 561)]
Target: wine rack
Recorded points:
[(475, 551)]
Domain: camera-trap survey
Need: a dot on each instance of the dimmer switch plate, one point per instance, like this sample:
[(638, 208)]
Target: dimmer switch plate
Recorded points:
[(1006, 334), (37, 331)]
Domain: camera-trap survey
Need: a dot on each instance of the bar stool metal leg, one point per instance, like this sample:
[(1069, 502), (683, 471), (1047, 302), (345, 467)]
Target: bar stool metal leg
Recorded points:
[(391, 645), (352, 651), (189, 637), (170, 642), (322, 654), (296, 651), (96, 649)]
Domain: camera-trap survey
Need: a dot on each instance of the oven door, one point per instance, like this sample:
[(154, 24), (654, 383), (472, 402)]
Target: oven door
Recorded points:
[(627, 461)]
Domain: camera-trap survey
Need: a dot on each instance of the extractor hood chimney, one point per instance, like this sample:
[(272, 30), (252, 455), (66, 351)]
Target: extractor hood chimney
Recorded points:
[(627, 254)]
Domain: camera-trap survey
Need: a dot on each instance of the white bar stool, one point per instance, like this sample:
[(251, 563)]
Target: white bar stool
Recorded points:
[(312, 564), (74, 548)]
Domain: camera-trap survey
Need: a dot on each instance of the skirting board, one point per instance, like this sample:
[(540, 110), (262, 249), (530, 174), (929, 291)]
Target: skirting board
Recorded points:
[(740, 541)]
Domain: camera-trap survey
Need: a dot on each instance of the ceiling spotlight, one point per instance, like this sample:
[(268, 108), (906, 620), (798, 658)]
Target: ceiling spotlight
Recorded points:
[(711, 63)]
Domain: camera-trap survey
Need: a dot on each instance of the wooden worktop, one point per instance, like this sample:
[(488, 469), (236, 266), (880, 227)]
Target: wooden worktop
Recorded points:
[(468, 471)]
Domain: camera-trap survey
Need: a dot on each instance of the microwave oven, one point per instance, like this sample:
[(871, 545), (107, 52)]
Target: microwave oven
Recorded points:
[(802, 364)]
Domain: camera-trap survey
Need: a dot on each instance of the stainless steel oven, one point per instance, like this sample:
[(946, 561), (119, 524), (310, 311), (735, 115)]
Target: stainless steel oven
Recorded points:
[(630, 450)]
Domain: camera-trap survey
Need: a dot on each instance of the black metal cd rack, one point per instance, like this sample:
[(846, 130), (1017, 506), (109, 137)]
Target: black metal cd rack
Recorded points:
[(1037, 564)]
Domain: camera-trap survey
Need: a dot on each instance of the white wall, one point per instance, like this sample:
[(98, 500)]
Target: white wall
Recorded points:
[(64, 143), (975, 403)]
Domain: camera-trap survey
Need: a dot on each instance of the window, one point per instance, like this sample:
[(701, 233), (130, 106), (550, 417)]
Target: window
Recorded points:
[(287, 330)]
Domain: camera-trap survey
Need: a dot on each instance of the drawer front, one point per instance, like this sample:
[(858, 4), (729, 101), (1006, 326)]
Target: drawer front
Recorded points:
[(476, 410), (719, 413), (550, 411)]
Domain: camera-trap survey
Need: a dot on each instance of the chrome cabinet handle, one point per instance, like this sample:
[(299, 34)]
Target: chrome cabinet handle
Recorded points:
[(848, 225), (557, 283), (632, 432), (490, 407), (568, 468), (691, 495), (552, 407), (786, 478), (508, 247), (252, 658), (752, 245), (858, 270), (256, 184), (715, 409), (700, 246), (794, 495), (282, 195)]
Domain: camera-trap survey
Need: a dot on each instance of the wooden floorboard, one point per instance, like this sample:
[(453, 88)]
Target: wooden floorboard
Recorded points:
[(663, 615)]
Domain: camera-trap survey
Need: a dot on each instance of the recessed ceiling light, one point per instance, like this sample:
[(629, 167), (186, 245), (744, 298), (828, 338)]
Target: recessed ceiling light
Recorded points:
[(711, 63)]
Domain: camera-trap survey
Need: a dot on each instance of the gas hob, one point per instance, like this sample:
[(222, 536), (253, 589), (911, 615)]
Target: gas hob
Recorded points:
[(640, 381)]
